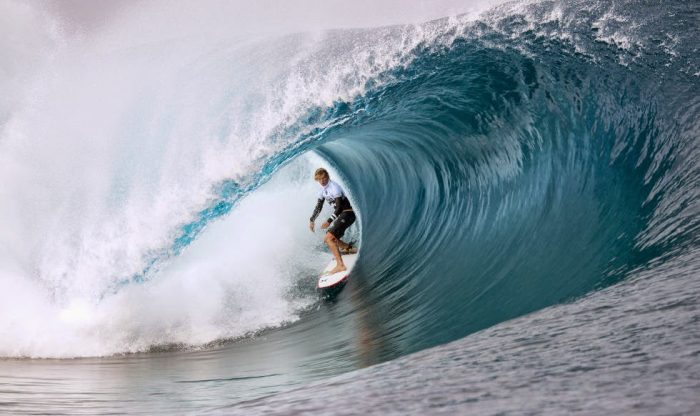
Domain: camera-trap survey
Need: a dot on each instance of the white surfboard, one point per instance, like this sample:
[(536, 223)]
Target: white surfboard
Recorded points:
[(327, 281)]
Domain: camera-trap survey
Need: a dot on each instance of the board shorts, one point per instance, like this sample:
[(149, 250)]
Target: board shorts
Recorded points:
[(344, 220)]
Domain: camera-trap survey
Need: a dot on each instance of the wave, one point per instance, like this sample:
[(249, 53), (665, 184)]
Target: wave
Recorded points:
[(515, 169), (500, 163)]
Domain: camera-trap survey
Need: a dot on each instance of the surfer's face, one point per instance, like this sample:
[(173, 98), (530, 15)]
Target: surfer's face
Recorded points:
[(323, 180)]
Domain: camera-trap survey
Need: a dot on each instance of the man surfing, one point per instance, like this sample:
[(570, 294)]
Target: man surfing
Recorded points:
[(342, 218)]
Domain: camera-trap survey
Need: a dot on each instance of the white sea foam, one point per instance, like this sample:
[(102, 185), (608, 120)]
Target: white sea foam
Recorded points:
[(237, 278), (115, 138)]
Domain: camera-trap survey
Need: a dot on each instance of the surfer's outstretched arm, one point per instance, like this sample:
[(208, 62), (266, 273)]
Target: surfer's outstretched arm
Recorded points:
[(317, 210)]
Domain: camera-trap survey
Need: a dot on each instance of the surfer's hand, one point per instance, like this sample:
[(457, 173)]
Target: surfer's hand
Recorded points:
[(325, 225), (311, 226)]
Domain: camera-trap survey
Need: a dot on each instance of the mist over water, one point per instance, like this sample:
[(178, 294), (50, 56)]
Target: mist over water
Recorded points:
[(126, 135)]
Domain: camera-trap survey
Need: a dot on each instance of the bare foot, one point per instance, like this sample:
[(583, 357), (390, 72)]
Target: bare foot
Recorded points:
[(351, 250), (337, 269)]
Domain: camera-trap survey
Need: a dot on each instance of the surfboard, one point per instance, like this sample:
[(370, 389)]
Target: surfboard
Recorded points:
[(335, 280)]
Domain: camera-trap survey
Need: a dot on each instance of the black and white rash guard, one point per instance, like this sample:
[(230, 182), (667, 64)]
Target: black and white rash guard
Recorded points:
[(335, 196)]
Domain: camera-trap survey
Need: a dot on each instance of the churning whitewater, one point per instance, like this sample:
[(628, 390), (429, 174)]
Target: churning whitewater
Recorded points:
[(156, 177)]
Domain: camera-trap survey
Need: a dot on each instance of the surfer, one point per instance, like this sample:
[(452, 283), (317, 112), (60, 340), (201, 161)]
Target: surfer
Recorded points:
[(343, 217)]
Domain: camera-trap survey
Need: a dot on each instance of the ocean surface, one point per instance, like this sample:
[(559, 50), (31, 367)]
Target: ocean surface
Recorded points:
[(526, 177)]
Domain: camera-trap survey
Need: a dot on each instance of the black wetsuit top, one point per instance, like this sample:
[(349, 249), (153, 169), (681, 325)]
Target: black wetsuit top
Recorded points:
[(335, 196)]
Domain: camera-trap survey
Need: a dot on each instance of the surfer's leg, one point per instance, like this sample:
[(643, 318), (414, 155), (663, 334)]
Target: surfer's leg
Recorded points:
[(347, 248), (337, 229), (332, 243)]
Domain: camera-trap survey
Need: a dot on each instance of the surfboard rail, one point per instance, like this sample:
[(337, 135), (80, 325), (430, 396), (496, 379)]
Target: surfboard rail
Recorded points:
[(328, 281)]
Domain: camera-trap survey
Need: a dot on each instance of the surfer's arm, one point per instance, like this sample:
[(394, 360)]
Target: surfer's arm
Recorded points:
[(338, 209), (317, 210)]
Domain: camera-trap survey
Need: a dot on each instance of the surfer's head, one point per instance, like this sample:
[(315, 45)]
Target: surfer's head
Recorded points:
[(321, 176)]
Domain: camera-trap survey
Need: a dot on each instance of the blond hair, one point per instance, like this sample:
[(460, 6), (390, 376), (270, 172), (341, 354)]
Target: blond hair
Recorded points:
[(321, 173)]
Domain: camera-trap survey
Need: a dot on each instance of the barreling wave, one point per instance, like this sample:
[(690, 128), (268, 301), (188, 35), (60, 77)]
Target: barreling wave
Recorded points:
[(526, 163), (536, 155), (498, 165)]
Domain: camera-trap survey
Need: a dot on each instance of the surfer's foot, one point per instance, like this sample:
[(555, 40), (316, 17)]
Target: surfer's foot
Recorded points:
[(338, 269), (350, 249)]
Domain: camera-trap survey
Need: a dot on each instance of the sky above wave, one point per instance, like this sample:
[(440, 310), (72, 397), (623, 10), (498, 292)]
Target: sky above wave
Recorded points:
[(87, 15)]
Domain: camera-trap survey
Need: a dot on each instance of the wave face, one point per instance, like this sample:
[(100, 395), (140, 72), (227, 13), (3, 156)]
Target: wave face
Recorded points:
[(499, 163), (533, 159)]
